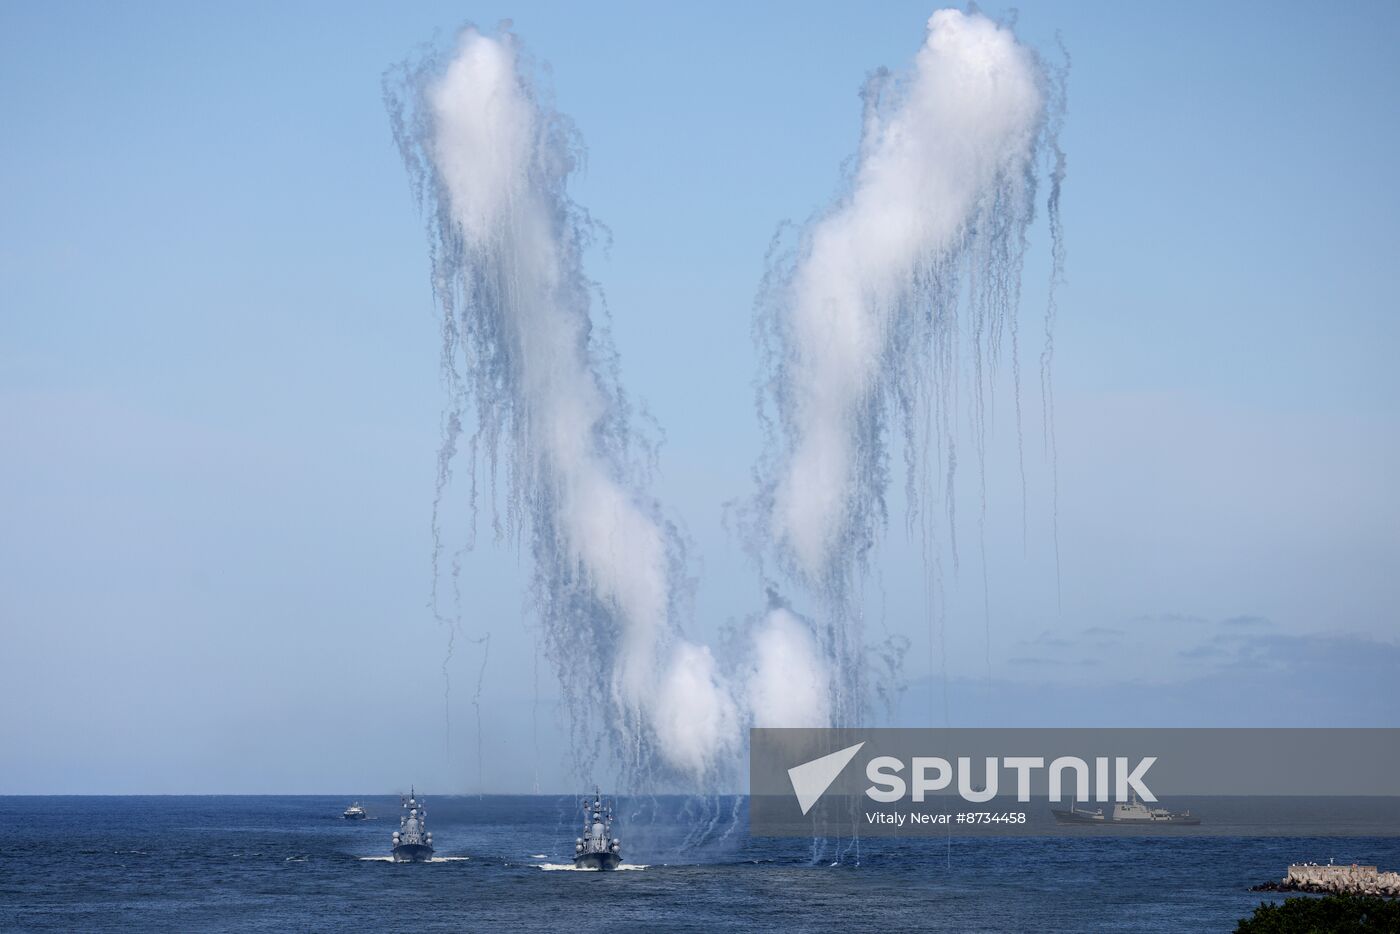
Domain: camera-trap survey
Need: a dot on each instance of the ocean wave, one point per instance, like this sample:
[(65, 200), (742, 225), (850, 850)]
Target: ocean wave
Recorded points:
[(435, 859)]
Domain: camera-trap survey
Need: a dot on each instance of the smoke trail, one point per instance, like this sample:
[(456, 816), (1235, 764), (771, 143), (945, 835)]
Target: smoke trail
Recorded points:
[(490, 162), (864, 322), (861, 324), (1059, 95)]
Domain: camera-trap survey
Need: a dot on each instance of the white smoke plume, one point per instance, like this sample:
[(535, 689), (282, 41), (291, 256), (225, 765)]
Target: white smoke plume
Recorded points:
[(862, 319), (491, 162), (789, 685)]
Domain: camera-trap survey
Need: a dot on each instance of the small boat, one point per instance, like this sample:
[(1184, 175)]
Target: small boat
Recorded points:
[(597, 848), (354, 812), (413, 841)]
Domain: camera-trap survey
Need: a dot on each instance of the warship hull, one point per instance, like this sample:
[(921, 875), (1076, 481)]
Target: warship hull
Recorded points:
[(597, 861), (412, 853), (1089, 817)]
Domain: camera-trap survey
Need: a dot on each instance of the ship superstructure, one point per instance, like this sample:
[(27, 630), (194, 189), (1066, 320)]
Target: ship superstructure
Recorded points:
[(413, 841), (1135, 812)]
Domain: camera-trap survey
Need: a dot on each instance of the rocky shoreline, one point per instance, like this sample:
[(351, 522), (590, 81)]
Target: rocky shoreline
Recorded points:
[(1335, 880)]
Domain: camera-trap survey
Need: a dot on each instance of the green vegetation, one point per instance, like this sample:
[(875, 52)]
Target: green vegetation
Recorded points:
[(1332, 914)]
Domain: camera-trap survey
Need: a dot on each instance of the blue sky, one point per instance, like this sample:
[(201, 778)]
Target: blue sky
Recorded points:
[(219, 395)]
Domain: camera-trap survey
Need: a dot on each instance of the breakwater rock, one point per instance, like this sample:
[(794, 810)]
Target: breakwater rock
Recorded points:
[(1336, 880)]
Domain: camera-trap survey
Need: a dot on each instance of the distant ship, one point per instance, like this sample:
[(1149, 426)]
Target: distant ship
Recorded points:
[(1133, 812), (354, 812), (1076, 816), (413, 841), (597, 848)]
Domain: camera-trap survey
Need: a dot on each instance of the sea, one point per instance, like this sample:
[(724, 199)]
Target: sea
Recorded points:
[(240, 863)]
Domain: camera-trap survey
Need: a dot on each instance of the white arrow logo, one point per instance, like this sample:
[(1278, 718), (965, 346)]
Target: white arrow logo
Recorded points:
[(810, 780)]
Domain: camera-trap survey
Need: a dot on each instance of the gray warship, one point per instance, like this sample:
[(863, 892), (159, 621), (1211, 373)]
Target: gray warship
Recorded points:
[(597, 848), (413, 841), (1133, 812)]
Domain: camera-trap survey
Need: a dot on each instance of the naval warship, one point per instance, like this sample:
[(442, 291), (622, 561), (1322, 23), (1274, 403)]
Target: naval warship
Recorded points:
[(413, 841), (597, 848), (1133, 812)]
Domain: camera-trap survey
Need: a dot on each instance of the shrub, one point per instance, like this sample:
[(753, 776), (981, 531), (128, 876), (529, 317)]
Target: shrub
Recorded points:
[(1332, 914)]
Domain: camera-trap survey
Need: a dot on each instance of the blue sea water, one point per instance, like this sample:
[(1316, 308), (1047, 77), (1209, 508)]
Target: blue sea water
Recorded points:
[(137, 864)]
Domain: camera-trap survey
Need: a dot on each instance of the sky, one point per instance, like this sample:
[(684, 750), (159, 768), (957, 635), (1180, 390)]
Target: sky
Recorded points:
[(220, 400)]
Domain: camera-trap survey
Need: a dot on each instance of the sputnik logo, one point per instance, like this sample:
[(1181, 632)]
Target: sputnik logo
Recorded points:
[(810, 780)]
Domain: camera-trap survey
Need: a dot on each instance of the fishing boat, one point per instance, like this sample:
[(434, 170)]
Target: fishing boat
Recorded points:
[(1077, 816)]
